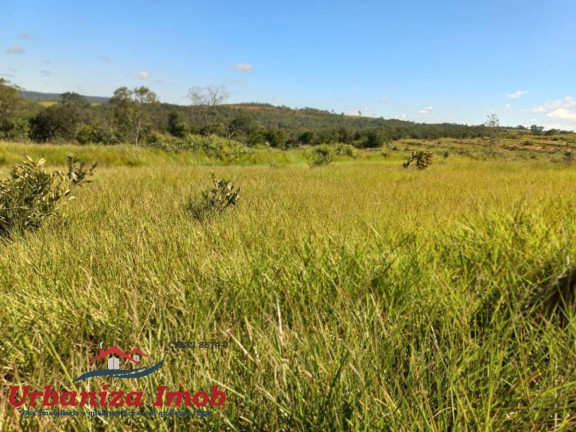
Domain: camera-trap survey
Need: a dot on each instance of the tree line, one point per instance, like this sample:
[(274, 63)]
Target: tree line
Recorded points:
[(137, 116)]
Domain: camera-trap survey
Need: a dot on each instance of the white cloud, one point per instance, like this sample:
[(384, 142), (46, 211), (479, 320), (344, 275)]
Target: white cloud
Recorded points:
[(425, 110), (508, 106), (516, 94), (15, 50), (383, 99), (563, 113), (141, 75), (400, 117), (243, 67), (567, 102)]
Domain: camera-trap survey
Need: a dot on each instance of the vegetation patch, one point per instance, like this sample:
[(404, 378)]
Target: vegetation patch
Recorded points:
[(31, 194), (214, 201), (422, 159)]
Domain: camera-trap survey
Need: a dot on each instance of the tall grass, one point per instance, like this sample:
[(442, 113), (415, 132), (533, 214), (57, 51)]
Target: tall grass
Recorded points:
[(356, 296)]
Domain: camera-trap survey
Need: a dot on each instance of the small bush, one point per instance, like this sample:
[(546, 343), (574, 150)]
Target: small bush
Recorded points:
[(214, 201), (30, 195), (323, 156), (346, 150), (423, 160)]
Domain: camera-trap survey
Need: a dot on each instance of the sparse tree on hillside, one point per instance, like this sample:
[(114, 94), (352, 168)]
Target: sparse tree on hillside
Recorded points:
[(74, 99), (207, 100), (492, 123), (132, 110)]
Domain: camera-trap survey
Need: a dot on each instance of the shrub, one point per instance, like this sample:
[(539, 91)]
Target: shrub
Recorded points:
[(346, 150), (95, 134), (423, 160), (15, 129), (30, 195), (323, 156), (214, 201)]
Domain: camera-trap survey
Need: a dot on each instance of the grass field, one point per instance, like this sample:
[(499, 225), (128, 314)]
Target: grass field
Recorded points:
[(355, 296)]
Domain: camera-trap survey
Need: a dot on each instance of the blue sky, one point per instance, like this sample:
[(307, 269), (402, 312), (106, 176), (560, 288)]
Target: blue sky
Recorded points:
[(428, 61)]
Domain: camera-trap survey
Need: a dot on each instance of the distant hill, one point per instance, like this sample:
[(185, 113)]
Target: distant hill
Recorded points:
[(55, 97)]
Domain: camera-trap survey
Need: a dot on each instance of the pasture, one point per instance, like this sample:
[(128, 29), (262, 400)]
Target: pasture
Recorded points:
[(353, 296)]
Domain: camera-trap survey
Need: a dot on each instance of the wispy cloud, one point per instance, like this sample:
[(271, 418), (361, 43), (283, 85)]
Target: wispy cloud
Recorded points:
[(24, 36), (45, 73), (141, 75), (106, 59), (243, 67), (15, 50), (400, 117), (425, 110), (567, 102), (516, 94), (563, 109)]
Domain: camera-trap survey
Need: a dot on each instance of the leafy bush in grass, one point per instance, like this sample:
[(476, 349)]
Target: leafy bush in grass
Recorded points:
[(346, 150), (30, 195), (214, 201), (422, 159), (323, 156)]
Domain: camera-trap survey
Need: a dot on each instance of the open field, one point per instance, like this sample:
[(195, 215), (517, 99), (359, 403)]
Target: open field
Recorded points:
[(354, 296)]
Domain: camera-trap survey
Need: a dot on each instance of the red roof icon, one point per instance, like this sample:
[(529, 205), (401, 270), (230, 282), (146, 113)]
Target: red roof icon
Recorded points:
[(117, 351)]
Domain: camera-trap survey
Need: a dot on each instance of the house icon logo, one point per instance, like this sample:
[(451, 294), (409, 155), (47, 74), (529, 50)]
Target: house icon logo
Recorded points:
[(114, 357)]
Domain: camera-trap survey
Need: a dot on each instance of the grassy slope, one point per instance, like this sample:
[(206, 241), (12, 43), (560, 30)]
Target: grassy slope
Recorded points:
[(357, 296)]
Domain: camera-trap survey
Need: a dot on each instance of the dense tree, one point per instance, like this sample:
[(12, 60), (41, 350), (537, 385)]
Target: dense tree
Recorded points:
[(132, 111), (276, 138), (536, 130), (10, 102), (56, 121), (176, 126), (74, 100), (241, 127)]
